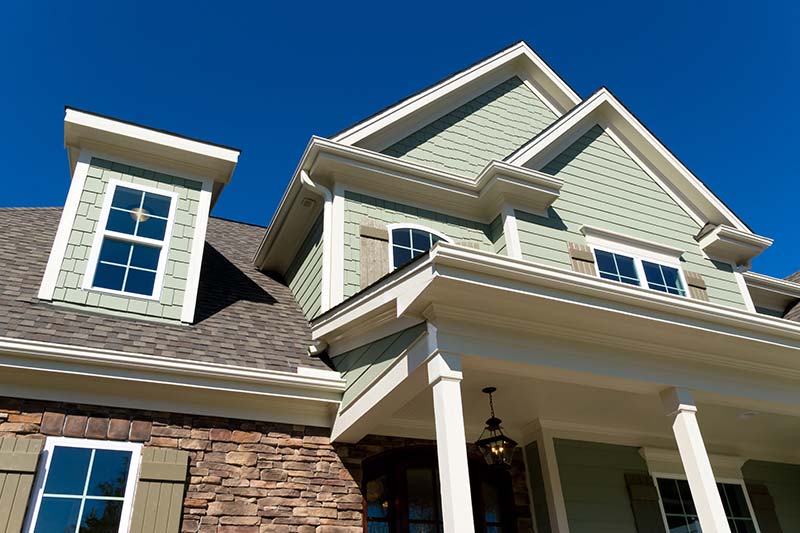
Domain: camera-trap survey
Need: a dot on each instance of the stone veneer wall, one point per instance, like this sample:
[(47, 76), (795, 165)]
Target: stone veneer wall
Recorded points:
[(244, 476)]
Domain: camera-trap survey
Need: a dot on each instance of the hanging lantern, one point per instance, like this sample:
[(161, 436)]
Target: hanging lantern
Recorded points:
[(497, 449)]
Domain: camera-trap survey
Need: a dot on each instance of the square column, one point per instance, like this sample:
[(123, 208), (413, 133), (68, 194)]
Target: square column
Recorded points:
[(680, 406), (444, 376)]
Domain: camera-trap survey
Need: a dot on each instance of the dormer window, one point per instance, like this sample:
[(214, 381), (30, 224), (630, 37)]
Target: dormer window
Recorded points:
[(407, 242), (636, 271), (129, 252)]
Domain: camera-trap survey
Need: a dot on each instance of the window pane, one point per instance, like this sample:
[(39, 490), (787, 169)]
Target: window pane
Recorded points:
[(627, 269), (68, 469), (121, 221), (606, 265), (420, 240), (401, 256), (737, 504), (677, 524), (402, 237), (152, 228), (421, 497), (109, 473), (140, 282), (669, 496), (109, 277), (101, 516), (686, 497), (114, 251), (57, 514), (126, 198), (145, 256), (377, 498), (157, 205), (652, 272)]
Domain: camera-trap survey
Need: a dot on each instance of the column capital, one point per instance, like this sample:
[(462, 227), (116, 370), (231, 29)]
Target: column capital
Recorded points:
[(677, 400), (444, 367)]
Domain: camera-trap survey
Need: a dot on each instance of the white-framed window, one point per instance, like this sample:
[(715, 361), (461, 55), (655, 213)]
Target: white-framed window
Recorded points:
[(131, 244), (680, 514), (408, 241), (84, 486), (639, 271)]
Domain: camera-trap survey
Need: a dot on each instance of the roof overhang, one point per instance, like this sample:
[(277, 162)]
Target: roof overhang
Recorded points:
[(328, 162), (403, 118), (772, 293), (140, 144), (479, 288), (603, 108), (732, 244)]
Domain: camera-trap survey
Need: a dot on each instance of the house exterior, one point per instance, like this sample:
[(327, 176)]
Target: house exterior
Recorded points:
[(163, 370)]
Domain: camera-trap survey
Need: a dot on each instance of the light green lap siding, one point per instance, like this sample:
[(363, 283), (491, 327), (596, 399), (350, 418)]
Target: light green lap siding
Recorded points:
[(70, 278), (497, 236), (488, 127), (783, 483), (360, 208), (536, 478), (604, 187), (593, 483), (304, 276), (361, 366)]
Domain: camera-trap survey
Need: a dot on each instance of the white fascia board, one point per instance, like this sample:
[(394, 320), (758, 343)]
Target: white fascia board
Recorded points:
[(538, 71), (603, 107), (87, 130), (61, 358), (784, 287)]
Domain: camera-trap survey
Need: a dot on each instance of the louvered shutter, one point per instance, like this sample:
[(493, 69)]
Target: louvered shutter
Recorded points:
[(158, 503), (644, 503), (764, 508), (18, 460), (582, 258), (697, 285), (374, 254)]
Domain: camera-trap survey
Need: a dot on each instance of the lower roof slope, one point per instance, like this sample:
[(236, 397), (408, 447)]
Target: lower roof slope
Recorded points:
[(243, 317)]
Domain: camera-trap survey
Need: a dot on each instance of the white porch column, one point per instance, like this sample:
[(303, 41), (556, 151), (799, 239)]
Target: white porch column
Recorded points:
[(444, 375), (679, 404)]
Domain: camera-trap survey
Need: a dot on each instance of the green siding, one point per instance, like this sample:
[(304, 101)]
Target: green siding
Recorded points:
[(604, 187), (783, 483), (539, 493), (593, 483), (360, 208), (304, 276), (68, 286), (497, 236), (361, 366), (488, 127)]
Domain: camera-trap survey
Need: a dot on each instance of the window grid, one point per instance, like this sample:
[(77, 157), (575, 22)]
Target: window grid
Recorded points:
[(690, 521), (402, 253), (641, 274), (617, 274), (660, 283)]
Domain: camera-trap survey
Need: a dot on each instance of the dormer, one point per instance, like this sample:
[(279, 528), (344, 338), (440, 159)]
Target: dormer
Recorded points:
[(131, 236)]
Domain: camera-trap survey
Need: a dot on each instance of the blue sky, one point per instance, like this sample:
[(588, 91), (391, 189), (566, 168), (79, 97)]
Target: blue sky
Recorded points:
[(717, 82)]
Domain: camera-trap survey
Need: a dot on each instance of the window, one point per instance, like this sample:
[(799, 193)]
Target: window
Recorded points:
[(632, 270), (84, 486), (401, 494), (681, 515), (130, 249), (409, 242)]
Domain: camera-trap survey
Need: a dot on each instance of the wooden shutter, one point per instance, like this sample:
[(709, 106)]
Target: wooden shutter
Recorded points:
[(18, 460), (697, 285), (764, 508), (158, 503), (582, 258), (644, 503), (374, 254)]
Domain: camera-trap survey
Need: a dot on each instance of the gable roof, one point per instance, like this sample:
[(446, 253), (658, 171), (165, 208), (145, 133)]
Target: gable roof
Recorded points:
[(244, 318), (410, 114)]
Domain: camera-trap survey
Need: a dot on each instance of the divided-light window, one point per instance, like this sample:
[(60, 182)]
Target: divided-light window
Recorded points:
[(635, 271), (681, 515), (409, 242), (135, 229)]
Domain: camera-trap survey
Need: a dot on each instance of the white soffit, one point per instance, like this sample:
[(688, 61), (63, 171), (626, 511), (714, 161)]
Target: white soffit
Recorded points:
[(771, 293), (603, 108), (132, 142), (403, 118)]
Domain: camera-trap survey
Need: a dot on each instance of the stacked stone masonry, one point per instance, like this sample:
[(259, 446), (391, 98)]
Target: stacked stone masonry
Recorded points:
[(244, 477)]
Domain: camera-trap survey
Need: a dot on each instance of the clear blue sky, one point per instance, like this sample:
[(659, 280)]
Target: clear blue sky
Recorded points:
[(717, 83)]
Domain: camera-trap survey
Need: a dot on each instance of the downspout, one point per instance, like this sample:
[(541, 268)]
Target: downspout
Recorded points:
[(327, 221)]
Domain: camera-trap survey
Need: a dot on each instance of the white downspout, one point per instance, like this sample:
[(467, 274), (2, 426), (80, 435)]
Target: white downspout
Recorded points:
[(327, 220)]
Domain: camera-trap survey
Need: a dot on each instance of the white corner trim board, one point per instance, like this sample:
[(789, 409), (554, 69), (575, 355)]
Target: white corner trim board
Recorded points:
[(196, 259)]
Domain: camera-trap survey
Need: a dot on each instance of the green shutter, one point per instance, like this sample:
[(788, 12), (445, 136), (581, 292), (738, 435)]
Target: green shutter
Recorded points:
[(159, 493), (644, 503), (18, 460)]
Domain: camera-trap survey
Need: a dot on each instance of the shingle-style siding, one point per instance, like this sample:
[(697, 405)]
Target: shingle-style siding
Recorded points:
[(783, 483), (604, 187), (593, 483), (304, 276), (360, 208), (70, 278), (361, 366), (488, 127)]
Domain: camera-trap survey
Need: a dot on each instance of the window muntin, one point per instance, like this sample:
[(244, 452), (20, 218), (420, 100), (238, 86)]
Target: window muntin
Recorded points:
[(632, 270), (84, 486), (663, 278), (616, 267), (129, 253), (409, 242), (681, 514)]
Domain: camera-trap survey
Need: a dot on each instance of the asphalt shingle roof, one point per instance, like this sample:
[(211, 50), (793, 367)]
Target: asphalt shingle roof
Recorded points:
[(793, 313), (243, 317)]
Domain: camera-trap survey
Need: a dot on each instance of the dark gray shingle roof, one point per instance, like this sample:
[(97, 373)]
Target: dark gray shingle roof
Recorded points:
[(243, 316)]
